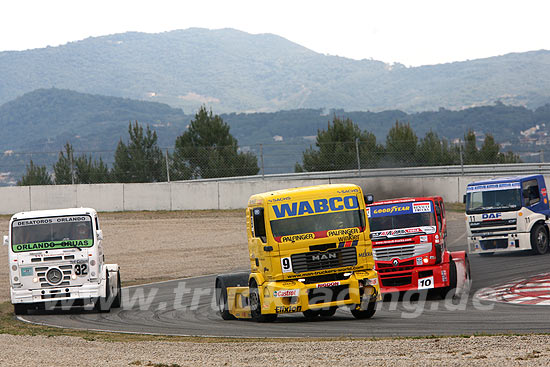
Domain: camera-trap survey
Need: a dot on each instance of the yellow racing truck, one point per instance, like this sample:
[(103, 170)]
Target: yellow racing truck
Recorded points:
[(310, 252)]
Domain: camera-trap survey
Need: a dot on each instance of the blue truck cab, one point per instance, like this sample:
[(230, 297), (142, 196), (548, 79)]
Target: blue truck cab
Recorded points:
[(508, 214)]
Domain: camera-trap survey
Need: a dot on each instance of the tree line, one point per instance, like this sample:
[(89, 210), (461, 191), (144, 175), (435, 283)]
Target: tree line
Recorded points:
[(343, 145), (205, 150), (208, 150)]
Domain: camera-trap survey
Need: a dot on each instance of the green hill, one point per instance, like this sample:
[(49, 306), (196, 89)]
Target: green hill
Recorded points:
[(38, 124), (234, 71)]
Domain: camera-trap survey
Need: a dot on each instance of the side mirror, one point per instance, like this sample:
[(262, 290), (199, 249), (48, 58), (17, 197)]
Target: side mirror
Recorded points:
[(369, 199), (464, 199), (6, 241), (99, 234)]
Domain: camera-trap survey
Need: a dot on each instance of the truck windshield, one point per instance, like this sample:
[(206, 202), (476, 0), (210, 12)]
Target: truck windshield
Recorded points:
[(52, 233), (494, 200), (401, 221), (318, 223)]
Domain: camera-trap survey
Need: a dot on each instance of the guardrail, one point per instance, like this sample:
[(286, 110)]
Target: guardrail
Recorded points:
[(431, 171)]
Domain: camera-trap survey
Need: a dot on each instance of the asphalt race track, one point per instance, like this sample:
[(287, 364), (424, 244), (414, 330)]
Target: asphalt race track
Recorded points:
[(186, 307)]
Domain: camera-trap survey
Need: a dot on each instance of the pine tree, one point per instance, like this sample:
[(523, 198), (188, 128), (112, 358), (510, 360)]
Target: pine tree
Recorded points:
[(336, 148), (401, 144), (208, 150), (140, 160), (35, 175)]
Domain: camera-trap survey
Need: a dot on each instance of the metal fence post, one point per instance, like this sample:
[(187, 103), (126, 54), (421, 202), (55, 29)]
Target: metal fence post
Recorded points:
[(461, 160), (262, 159), (357, 152), (167, 167), (72, 166)]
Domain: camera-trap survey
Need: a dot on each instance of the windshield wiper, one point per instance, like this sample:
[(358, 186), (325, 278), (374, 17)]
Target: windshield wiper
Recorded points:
[(73, 246)]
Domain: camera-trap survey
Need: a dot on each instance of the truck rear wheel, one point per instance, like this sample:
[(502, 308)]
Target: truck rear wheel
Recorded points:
[(20, 308), (103, 304), (117, 302), (539, 240), (221, 299), (256, 306), (224, 281), (365, 314)]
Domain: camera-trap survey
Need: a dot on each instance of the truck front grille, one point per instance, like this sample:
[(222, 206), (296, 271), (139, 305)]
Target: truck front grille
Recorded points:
[(492, 227), (311, 261), (396, 282), (400, 252)]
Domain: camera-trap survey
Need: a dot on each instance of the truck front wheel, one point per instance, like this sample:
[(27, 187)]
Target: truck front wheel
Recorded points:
[(365, 314), (20, 308), (539, 240), (256, 306)]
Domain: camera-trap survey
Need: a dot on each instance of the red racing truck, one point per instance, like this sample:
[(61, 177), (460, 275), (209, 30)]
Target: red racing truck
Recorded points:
[(410, 250)]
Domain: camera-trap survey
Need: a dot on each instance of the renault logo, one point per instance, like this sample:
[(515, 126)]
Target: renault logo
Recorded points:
[(395, 262)]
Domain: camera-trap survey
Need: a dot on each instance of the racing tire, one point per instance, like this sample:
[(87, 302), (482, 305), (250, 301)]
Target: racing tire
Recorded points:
[(102, 304), (20, 309), (450, 290), (255, 305), (221, 300), (365, 314), (224, 281), (539, 240), (328, 312), (311, 315), (117, 302)]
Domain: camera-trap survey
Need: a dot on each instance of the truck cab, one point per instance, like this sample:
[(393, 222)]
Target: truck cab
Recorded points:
[(309, 251), (56, 258), (409, 245), (507, 214)]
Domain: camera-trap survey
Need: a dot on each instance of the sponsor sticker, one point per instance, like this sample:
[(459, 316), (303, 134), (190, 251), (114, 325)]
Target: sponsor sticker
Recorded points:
[(298, 237), (423, 238), (26, 272), (418, 261), (34, 222), (422, 207), (317, 206), (342, 232), (286, 293), (494, 186), (288, 309), (328, 284), (52, 245), (368, 212)]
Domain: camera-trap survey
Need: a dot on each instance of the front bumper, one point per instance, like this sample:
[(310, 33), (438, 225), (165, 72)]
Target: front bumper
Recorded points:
[(517, 241), (413, 278), (88, 293), (281, 297)]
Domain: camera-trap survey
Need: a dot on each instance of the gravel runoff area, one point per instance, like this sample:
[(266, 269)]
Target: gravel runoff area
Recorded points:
[(478, 351), (151, 246)]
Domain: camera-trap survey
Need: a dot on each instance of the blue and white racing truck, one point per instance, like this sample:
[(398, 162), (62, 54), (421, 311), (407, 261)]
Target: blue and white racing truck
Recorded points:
[(508, 214)]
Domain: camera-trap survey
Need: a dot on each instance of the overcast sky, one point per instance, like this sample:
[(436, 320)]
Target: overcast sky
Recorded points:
[(412, 32)]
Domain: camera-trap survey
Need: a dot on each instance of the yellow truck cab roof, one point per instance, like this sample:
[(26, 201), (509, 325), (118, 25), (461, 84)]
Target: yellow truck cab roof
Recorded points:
[(272, 196)]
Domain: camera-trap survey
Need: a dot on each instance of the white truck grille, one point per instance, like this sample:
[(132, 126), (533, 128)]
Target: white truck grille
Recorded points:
[(401, 252)]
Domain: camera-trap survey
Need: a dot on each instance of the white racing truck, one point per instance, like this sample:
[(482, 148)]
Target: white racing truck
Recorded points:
[(56, 259)]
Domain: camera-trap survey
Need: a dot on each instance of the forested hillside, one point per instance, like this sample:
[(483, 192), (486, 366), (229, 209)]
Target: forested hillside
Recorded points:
[(233, 71), (38, 124)]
